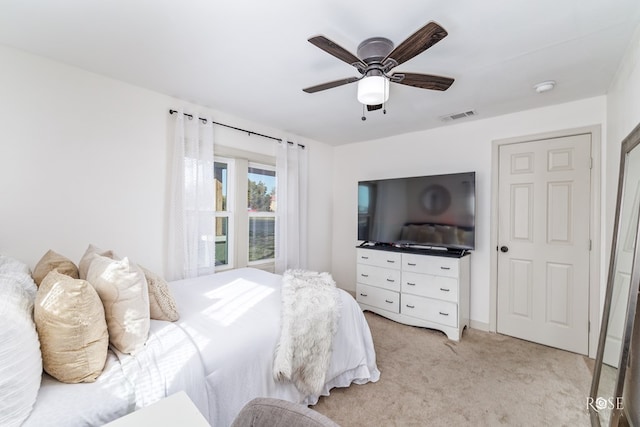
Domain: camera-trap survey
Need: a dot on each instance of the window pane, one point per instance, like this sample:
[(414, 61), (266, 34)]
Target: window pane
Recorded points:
[(221, 172), (222, 241), (261, 196), (262, 233)]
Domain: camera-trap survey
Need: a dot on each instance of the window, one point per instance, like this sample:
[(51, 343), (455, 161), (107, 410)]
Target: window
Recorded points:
[(223, 170), (245, 219), (261, 207)]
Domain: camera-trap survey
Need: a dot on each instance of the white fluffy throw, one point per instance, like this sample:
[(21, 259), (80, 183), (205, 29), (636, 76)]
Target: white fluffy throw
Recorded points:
[(310, 314)]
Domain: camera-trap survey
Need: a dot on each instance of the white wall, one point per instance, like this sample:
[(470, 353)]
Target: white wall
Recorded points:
[(85, 159), (456, 148)]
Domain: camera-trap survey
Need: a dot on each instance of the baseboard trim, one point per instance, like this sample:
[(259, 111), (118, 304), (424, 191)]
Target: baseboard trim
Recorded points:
[(482, 326)]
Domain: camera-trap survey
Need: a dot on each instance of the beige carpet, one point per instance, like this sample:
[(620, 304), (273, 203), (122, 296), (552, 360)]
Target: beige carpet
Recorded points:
[(483, 380)]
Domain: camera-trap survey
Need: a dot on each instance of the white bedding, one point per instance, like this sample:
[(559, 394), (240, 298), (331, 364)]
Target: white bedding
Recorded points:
[(220, 352), (168, 364)]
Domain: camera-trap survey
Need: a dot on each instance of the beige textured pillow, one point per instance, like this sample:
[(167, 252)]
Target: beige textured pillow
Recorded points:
[(51, 261), (89, 255), (123, 290), (162, 306), (73, 332)]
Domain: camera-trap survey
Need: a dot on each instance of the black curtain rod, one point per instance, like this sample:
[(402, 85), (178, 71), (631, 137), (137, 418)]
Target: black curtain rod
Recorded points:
[(204, 121)]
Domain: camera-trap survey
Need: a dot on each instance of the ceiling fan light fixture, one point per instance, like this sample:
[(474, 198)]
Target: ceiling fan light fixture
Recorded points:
[(373, 90)]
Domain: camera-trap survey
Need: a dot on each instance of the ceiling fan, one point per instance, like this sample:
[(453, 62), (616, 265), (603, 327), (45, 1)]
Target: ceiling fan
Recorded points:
[(377, 57)]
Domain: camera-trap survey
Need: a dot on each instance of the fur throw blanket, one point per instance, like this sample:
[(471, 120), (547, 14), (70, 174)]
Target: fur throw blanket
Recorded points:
[(310, 314)]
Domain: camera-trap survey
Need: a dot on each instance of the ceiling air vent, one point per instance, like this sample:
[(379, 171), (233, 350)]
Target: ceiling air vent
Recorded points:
[(457, 116)]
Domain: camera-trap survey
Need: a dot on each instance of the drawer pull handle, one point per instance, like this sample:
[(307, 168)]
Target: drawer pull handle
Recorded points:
[(363, 295), (445, 268), (364, 257), (390, 302), (364, 275), (411, 284), (443, 314), (411, 264), (390, 280), (444, 290), (391, 261), (411, 306)]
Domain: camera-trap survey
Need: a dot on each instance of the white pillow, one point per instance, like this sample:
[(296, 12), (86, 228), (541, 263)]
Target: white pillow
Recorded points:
[(122, 288), (20, 357), (91, 252), (10, 264)]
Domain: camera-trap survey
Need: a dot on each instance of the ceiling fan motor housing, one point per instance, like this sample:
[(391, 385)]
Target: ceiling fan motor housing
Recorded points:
[(374, 49)]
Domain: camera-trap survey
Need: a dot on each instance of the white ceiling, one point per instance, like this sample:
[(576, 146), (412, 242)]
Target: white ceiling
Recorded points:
[(252, 59)]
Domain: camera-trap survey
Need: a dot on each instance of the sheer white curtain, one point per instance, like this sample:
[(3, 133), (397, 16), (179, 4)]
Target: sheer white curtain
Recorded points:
[(291, 208), (191, 235)]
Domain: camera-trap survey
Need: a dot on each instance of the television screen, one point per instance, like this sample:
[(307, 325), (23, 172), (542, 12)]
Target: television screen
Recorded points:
[(434, 211)]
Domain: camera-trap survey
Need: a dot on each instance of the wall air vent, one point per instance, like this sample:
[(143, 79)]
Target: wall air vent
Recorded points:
[(456, 116)]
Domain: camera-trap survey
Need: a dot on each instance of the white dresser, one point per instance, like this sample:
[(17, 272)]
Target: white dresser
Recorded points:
[(415, 289)]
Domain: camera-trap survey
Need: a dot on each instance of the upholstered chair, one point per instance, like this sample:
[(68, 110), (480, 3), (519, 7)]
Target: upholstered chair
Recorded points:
[(269, 412)]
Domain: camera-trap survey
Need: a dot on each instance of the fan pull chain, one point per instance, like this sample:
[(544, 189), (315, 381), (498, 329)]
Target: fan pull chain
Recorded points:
[(384, 104), (363, 116)]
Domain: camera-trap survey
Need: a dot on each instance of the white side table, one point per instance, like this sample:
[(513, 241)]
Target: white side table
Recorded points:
[(175, 410)]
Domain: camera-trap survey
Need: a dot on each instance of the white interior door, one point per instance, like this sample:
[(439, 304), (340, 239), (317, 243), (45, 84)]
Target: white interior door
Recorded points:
[(544, 241)]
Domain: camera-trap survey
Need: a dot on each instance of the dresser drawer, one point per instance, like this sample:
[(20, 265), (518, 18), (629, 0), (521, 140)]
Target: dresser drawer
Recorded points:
[(376, 297), (377, 276), (429, 309), (426, 285), (437, 266), (380, 258)]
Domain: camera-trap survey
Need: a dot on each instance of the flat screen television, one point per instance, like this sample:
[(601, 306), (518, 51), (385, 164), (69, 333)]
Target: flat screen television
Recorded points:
[(436, 211)]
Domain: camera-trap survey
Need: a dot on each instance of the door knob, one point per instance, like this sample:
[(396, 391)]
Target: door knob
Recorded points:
[(504, 249)]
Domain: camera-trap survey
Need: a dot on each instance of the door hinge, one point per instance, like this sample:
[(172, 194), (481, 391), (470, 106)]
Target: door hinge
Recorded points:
[(590, 244), (590, 162), (589, 326)]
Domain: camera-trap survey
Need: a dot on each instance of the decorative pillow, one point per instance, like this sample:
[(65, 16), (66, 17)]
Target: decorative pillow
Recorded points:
[(87, 258), (10, 264), (123, 290), (162, 306), (71, 325), (52, 261), (20, 358)]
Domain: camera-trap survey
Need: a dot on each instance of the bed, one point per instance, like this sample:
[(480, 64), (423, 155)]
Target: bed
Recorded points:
[(220, 353)]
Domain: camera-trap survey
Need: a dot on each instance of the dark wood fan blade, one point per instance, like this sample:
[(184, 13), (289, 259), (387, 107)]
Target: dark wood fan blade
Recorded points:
[(424, 81), (336, 50), (330, 85), (374, 107), (417, 43)]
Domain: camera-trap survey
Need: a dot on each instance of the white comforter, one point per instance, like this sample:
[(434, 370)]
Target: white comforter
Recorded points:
[(220, 352)]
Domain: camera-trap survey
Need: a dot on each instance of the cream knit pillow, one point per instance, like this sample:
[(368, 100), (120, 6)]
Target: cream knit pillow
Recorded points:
[(162, 306), (71, 325), (123, 290)]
